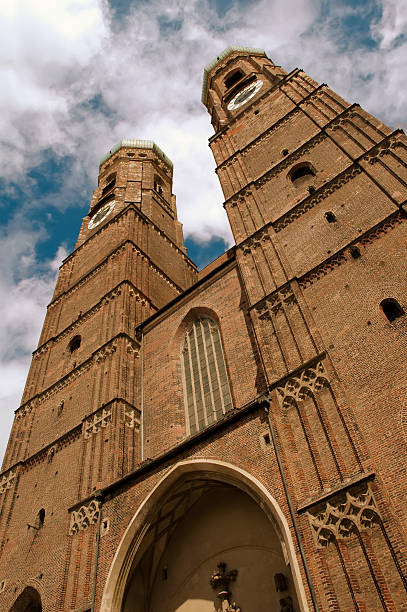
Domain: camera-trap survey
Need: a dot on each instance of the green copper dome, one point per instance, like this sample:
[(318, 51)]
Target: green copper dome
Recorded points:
[(138, 144), (219, 58)]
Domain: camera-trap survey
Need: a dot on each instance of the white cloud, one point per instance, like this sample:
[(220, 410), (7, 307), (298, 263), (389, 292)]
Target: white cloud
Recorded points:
[(59, 56), (25, 286)]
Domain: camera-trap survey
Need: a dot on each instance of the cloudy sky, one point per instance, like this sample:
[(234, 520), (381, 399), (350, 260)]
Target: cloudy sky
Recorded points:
[(79, 75)]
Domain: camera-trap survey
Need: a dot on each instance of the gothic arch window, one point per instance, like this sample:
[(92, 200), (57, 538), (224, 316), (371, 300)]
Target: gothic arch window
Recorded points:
[(391, 309), (207, 392)]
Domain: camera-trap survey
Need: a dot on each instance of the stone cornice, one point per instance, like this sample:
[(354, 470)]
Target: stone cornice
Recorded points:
[(343, 254), (246, 109), (97, 356), (232, 416), (322, 192), (268, 131), (95, 270), (286, 162), (329, 264), (144, 218), (108, 297), (48, 451)]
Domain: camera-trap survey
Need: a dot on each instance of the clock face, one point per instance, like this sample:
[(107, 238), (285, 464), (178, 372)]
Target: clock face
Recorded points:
[(101, 214), (245, 95)]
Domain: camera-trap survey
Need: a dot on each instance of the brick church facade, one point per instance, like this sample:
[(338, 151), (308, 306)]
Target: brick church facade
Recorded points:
[(234, 438)]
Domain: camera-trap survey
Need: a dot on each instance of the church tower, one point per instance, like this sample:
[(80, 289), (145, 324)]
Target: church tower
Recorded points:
[(232, 439)]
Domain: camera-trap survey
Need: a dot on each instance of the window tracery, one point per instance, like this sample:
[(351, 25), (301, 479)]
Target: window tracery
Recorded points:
[(206, 385)]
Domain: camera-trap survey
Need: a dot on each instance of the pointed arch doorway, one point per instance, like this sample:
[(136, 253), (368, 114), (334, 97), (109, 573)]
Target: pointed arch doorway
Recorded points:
[(28, 601), (203, 519)]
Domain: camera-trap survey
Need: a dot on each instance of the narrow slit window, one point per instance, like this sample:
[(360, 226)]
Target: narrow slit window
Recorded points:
[(207, 392)]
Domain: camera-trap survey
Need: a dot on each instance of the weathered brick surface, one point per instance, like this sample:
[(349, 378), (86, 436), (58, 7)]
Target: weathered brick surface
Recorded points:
[(308, 352)]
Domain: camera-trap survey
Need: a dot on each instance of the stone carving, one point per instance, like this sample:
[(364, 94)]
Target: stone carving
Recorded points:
[(275, 303), (383, 148), (131, 417), (87, 315), (7, 481), (97, 421), (133, 347), (105, 351), (220, 581), (344, 516), (322, 270), (84, 517), (382, 228), (24, 410), (297, 388), (339, 258)]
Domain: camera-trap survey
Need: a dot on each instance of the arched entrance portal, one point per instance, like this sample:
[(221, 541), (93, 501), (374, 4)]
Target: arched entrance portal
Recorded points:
[(201, 516), (28, 601)]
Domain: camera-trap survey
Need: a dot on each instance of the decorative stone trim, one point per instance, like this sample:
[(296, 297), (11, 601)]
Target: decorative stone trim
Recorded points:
[(344, 515), (131, 417), (323, 192), (105, 351), (133, 347), (297, 388), (133, 292), (8, 480), (24, 410), (323, 269), (93, 424), (115, 253), (49, 451), (314, 95), (339, 258), (115, 220), (275, 302), (84, 517), (96, 357)]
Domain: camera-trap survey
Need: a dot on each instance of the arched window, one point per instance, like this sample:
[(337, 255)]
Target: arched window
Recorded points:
[(158, 184), (233, 77), (74, 344), (302, 174), (391, 309), (28, 601), (207, 393)]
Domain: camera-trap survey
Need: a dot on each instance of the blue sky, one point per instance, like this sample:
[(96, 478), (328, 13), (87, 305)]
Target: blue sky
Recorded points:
[(79, 75)]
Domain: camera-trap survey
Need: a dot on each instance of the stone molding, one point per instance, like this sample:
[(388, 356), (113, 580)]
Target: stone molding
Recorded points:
[(129, 207), (98, 421), (344, 515), (275, 302), (83, 518), (117, 251), (246, 109), (99, 355), (315, 94), (321, 194), (297, 388), (343, 255), (131, 417), (8, 480), (108, 297)]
